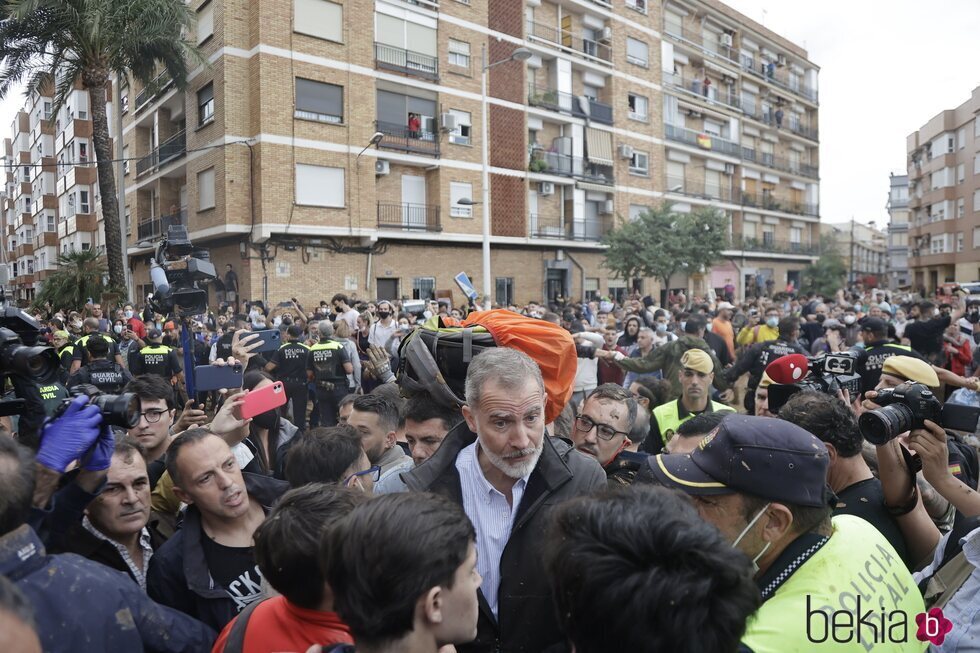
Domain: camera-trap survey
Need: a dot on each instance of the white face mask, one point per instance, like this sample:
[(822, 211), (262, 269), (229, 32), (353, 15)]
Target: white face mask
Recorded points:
[(118, 328), (748, 527), (128, 314), (849, 319)]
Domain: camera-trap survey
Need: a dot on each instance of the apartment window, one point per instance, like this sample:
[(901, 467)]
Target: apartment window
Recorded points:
[(960, 173), (27, 173), (505, 290), (795, 236), (459, 53), (319, 101), (125, 157), (407, 35), (637, 52), (768, 235), (640, 163), (976, 128), (319, 18), (976, 164), (205, 104), (712, 183), (129, 221), (50, 223), (464, 127), (635, 211), (124, 101), (639, 107), (424, 288), (457, 191), (319, 185), (82, 154), (205, 22), (673, 24), (976, 238), (976, 200), (961, 138), (83, 202), (205, 189), (960, 207), (950, 144), (637, 5), (86, 246), (959, 241), (591, 289), (675, 176)]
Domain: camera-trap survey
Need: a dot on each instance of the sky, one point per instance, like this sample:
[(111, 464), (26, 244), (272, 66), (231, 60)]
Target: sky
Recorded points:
[(886, 68)]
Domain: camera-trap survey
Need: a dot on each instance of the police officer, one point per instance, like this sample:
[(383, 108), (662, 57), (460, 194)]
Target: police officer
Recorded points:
[(66, 351), (877, 349), (327, 367), (156, 358), (106, 375), (80, 355), (289, 364), (755, 359), (695, 377)]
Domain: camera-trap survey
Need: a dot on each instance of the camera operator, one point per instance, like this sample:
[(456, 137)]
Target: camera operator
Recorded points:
[(754, 359), (108, 377)]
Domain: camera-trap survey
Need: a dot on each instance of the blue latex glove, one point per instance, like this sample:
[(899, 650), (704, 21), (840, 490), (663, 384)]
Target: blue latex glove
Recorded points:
[(70, 436), (102, 452)]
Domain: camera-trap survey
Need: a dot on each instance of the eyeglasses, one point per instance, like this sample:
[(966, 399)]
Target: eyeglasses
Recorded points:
[(153, 416), (585, 424), (373, 472)]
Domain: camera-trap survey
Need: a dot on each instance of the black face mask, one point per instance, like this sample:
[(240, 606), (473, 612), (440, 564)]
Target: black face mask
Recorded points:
[(266, 420), (383, 314), (820, 318), (973, 317)]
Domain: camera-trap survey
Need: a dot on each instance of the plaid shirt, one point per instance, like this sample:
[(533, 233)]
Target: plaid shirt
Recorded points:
[(138, 573)]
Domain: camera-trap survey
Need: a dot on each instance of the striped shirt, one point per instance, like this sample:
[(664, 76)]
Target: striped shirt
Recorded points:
[(144, 541), (492, 518)]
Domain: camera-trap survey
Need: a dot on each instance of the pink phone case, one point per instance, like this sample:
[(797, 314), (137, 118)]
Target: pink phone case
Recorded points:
[(259, 401)]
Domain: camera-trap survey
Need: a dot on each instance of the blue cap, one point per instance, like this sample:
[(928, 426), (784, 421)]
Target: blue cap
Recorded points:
[(763, 456)]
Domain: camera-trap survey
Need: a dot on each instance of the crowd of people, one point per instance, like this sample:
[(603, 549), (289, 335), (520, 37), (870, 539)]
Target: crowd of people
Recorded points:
[(646, 485)]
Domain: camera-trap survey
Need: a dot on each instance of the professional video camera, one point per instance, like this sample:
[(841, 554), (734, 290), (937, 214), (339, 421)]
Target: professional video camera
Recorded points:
[(117, 410), (176, 270), (906, 407), (29, 361), (798, 373)]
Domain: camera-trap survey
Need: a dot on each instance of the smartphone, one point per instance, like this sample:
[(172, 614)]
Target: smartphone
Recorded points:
[(259, 401), (270, 338), (215, 377)]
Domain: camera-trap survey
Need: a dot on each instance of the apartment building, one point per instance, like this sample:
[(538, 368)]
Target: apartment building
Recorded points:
[(944, 197), (898, 231), (864, 249)]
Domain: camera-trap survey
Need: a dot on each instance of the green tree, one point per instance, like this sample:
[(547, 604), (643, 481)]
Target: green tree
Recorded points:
[(78, 276), (660, 243), (93, 41), (827, 274)]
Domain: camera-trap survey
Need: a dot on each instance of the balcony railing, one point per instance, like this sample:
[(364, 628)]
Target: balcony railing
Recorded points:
[(156, 227), (702, 140), (553, 163), (772, 203), (769, 118), (710, 93), (705, 191), (159, 84), (569, 104), (776, 77), (403, 139), (740, 242), (779, 163), (170, 149), (587, 48), (556, 228), (390, 57), (409, 217), (681, 33)]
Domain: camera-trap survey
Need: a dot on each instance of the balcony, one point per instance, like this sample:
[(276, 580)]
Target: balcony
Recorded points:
[(706, 191), (408, 217), (755, 112), (400, 60), (155, 227), (563, 165), (783, 164), (24, 249), (702, 140), (78, 222), (170, 149), (566, 41), (696, 88), (778, 79), (578, 106), (559, 229), (46, 239), (403, 139), (688, 35), (158, 85), (769, 202), (765, 244)]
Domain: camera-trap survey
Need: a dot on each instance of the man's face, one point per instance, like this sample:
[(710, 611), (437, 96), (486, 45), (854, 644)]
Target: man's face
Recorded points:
[(607, 413), (460, 606), (900, 315), (914, 312), (609, 337), (210, 478), (364, 482), (762, 403), (123, 506), (886, 381), (821, 309), (682, 444), (424, 438), (772, 313), (645, 340), (151, 434), (374, 439), (510, 426), (694, 384), (60, 342), (874, 311), (727, 513)]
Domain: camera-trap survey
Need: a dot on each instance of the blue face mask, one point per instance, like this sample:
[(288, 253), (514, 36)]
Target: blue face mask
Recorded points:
[(772, 322)]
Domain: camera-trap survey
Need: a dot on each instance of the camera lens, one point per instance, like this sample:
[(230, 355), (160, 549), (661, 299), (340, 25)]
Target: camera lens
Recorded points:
[(38, 363), (119, 410), (885, 424)]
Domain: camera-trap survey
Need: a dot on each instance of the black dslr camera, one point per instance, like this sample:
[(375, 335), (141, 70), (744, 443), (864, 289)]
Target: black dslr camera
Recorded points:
[(176, 270), (20, 355), (117, 410), (827, 374), (906, 407)]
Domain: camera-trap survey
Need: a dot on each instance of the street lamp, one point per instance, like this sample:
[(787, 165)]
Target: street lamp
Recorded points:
[(519, 54)]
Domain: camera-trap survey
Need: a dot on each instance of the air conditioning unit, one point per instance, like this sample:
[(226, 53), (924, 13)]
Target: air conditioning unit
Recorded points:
[(546, 188), (381, 167), (729, 168), (625, 151), (125, 167), (726, 40), (447, 121), (606, 33), (607, 206), (781, 60)]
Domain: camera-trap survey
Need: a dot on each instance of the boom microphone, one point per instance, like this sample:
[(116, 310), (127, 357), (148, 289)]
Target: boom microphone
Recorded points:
[(789, 369)]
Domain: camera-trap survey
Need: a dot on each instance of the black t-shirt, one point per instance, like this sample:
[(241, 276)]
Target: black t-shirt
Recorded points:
[(234, 569), (290, 360), (926, 336), (81, 352), (866, 500)]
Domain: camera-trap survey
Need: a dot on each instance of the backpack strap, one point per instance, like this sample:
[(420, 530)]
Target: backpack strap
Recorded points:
[(467, 344), (236, 636), (947, 581)]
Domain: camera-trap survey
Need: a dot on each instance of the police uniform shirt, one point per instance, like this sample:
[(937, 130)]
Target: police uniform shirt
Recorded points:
[(155, 359), (81, 352), (871, 359), (326, 360), (107, 376), (291, 361), (654, 442), (52, 394)]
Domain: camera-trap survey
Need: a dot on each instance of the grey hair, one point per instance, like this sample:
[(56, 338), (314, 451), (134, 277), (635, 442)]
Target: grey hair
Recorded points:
[(509, 368), (326, 328), (614, 392), (645, 329)]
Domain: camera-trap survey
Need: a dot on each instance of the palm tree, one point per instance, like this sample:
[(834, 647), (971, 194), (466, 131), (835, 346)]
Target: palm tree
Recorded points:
[(93, 41), (79, 276)]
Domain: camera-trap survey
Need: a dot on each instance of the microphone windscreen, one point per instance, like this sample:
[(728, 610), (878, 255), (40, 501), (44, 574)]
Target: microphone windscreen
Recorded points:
[(789, 369)]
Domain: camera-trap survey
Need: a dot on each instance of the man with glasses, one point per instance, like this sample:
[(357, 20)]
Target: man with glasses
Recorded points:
[(157, 414), (331, 455), (602, 431), (695, 376)]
